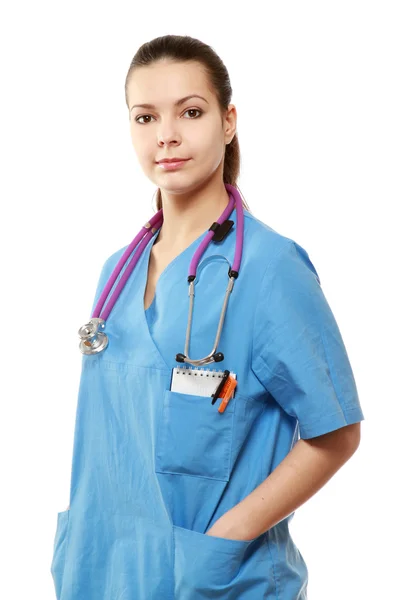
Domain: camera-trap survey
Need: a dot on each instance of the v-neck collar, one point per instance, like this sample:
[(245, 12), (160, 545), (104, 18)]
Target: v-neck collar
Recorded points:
[(144, 267), (145, 260), (171, 264)]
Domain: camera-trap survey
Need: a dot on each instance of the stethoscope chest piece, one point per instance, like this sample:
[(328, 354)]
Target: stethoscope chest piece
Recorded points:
[(93, 340)]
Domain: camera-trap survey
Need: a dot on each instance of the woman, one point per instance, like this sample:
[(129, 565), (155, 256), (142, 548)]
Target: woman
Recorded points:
[(171, 498)]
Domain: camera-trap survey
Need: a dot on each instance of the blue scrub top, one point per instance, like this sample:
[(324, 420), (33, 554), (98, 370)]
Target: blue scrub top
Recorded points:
[(153, 469)]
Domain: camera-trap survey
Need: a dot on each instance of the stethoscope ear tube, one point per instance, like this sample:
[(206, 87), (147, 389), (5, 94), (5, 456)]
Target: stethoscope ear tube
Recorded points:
[(213, 356)]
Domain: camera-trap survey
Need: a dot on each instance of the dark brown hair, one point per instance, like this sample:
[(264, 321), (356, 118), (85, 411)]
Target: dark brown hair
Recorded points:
[(185, 48)]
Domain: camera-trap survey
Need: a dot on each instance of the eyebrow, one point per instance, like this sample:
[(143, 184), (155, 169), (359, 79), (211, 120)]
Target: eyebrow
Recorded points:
[(177, 103)]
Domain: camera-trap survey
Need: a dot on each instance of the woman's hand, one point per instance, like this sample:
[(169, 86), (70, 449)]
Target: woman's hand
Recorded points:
[(225, 529)]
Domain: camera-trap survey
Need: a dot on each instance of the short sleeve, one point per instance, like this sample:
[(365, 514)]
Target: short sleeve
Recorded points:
[(298, 352)]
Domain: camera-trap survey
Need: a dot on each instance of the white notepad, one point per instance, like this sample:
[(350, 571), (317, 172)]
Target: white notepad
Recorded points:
[(197, 381)]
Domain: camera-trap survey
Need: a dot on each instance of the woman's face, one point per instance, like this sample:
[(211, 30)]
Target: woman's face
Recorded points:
[(193, 129)]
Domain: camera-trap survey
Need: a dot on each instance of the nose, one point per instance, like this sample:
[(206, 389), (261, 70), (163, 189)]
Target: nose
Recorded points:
[(168, 135), (168, 140)]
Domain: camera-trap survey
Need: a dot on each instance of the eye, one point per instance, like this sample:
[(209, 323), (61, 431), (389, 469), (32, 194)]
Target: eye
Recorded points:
[(188, 110), (194, 110), (141, 117)]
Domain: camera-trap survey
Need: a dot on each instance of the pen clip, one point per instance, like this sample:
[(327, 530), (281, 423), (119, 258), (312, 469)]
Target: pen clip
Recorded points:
[(221, 384)]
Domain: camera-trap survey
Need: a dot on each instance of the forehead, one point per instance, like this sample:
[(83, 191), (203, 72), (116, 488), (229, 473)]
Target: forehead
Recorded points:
[(163, 83)]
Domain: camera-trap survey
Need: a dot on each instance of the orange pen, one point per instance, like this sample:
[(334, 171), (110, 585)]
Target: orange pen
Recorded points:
[(227, 393)]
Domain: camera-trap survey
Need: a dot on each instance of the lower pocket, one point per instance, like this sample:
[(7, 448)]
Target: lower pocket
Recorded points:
[(59, 550), (206, 566), (193, 437)]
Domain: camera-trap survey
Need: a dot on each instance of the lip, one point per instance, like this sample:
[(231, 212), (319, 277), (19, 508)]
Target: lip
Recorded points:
[(173, 159), (170, 165)]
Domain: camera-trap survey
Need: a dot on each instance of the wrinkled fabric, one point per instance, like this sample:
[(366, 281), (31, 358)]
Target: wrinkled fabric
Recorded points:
[(154, 469)]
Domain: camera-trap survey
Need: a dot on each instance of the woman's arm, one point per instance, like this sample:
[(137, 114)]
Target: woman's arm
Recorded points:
[(304, 471)]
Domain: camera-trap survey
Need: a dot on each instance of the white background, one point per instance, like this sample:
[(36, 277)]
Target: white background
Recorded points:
[(316, 87)]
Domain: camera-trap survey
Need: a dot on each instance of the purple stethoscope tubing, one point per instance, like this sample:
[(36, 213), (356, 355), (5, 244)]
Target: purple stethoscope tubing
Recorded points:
[(143, 238), (100, 314)]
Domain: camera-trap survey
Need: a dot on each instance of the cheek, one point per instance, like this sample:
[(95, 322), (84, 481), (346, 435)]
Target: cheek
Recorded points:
[(213, 150), (144, 150), (212, 139)]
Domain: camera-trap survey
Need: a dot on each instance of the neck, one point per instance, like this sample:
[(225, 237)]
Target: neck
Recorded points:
[(187, 216)]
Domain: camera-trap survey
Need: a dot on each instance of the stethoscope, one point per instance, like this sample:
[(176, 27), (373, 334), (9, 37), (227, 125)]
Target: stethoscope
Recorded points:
[(93, 338)]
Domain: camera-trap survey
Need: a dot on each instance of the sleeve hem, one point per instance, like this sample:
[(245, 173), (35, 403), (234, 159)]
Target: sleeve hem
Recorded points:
[(331, 422)]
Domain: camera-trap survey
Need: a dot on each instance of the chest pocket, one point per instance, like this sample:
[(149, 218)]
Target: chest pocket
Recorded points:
[(193, 437)]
